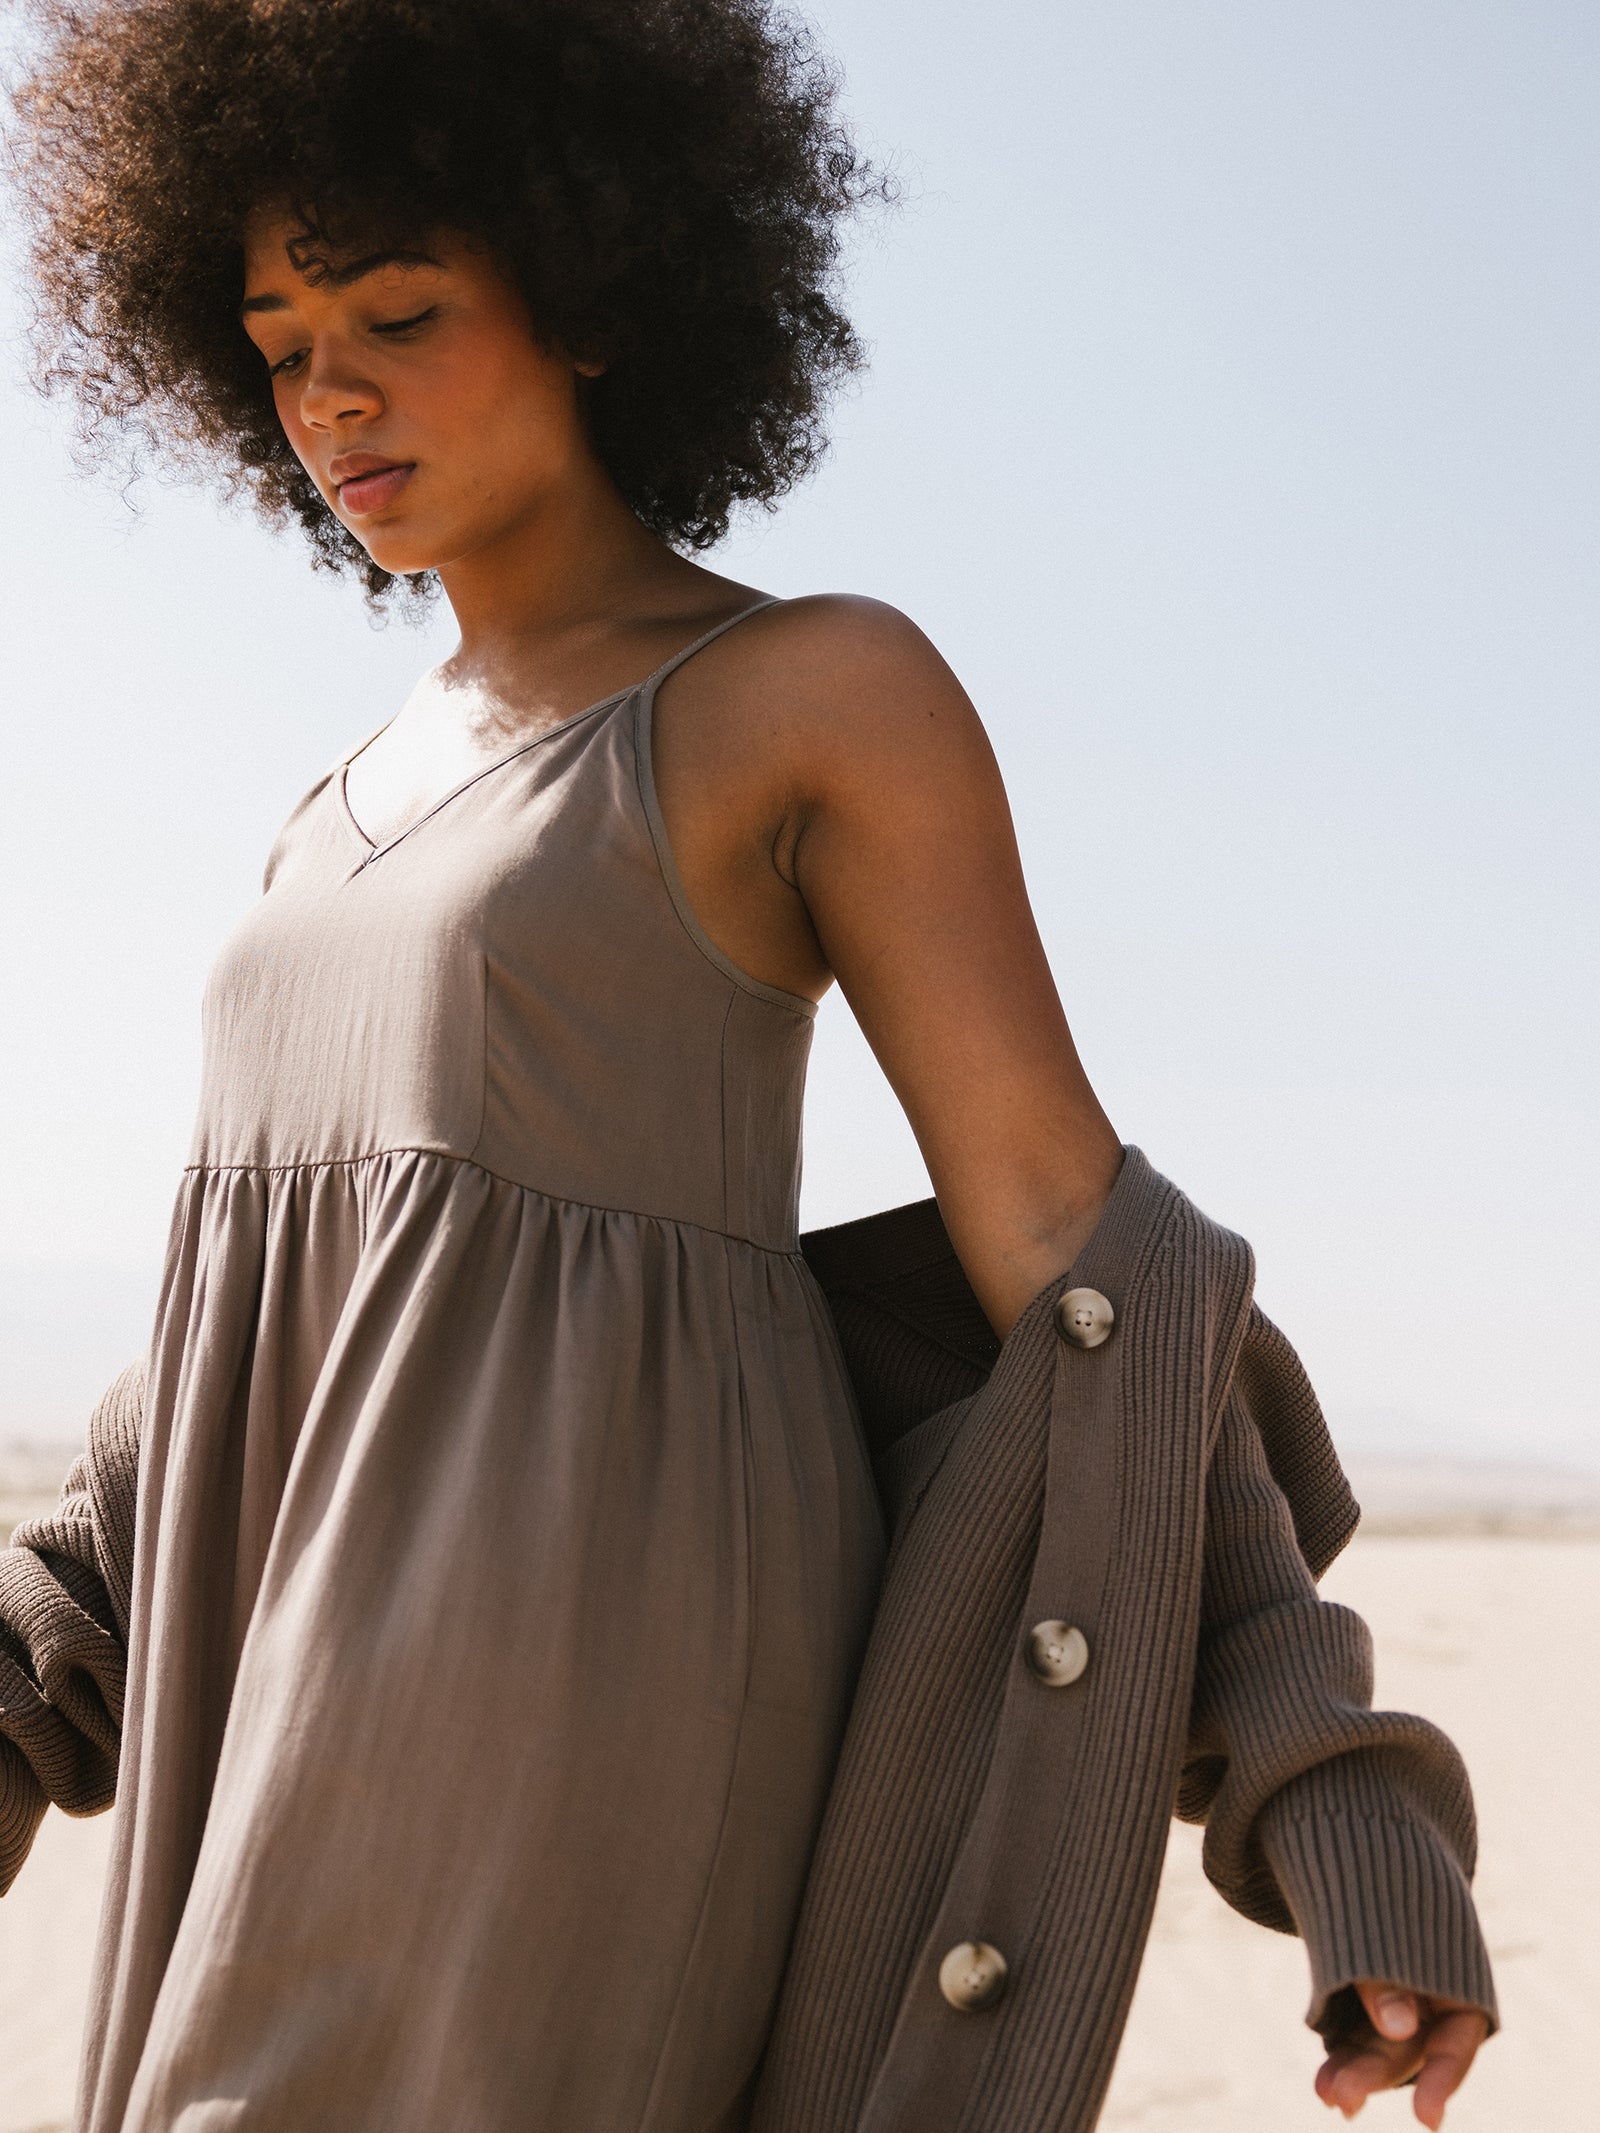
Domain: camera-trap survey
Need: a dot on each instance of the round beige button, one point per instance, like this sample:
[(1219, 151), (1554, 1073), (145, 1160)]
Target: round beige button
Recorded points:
[(1085, 1318), (972, 1975), (1057, 1652)]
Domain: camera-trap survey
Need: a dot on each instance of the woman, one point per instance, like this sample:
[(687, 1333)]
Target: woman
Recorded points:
[(506, 1541)]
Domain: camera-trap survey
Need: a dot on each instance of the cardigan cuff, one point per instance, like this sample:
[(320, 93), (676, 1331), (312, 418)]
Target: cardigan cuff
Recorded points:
[(1376, 1892)]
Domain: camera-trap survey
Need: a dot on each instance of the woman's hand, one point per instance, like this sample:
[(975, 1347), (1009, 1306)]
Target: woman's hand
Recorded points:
[(1411, 2034)]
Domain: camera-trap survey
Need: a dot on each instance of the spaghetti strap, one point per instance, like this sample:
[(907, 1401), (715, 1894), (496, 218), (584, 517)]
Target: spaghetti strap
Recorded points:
[(644, 702), (648, 687)]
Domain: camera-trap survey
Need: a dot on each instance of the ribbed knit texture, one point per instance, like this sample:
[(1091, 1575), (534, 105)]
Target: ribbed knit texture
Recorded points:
[(65, 1583), (1351, 1826), (1171, 1494), (1377, 1886)]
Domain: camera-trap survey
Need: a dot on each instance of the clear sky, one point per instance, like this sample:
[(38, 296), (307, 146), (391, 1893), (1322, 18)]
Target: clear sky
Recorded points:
[(1232, 427)]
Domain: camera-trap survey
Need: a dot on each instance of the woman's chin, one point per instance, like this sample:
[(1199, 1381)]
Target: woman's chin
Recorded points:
[(405, 543), (397, 550)]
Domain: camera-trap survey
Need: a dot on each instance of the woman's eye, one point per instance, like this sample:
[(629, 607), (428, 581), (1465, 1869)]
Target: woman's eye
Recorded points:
[(390, 327), (404, 325)]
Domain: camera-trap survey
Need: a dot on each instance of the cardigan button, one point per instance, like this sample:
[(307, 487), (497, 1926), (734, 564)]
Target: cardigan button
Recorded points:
[(972, 1975), (1085, 1317), (1057, 1652)]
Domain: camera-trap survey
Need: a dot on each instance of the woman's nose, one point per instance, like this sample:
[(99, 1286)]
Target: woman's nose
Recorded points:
[(334, 391)]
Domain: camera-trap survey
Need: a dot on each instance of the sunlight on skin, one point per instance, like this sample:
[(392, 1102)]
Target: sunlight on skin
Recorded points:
[(439, 428), (1434, 2039)]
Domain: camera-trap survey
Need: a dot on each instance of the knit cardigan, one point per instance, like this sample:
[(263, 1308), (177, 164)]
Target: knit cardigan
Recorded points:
[(1172, 1494)]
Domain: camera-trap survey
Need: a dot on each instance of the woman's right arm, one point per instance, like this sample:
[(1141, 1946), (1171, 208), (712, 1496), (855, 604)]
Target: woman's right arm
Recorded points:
[(65, 1593)]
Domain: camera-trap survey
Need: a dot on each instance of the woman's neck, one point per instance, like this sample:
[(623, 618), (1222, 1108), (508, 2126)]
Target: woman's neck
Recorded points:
[(579, 560)]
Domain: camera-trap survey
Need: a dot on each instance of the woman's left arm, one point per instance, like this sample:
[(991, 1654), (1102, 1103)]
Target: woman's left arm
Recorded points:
[(1353, 1827), (897, 835)]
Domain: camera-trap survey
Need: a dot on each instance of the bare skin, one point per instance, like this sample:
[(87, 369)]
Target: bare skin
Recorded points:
[(831, 797)]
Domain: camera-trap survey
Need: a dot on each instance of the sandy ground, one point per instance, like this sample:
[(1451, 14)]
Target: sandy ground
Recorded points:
[(1496, 1638)]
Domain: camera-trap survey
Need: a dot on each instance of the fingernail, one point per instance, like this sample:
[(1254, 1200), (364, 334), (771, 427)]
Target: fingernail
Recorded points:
[(1395, 2015)]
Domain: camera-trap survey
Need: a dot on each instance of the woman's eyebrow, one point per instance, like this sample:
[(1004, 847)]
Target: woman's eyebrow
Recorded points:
[(344, 277)]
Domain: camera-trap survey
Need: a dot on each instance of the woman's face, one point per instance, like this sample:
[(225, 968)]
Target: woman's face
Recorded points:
[(414, 392)]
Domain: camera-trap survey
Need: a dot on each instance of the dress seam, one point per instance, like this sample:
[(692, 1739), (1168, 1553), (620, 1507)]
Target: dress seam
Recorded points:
[(483, 1078), (467, 1162), (722, 1108)]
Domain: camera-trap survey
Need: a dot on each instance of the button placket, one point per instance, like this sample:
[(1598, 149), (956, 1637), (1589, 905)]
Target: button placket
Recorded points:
[(997, 1877), (1058, 1652)]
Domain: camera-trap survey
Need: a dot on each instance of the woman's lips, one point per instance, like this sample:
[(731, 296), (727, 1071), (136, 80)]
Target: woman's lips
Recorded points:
[(363, 494)]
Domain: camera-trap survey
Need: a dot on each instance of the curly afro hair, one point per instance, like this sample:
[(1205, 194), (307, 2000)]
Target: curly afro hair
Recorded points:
[(666, 180)]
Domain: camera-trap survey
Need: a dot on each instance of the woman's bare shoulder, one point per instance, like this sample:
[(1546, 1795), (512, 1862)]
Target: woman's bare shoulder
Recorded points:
[(841, 639), (836, 685)]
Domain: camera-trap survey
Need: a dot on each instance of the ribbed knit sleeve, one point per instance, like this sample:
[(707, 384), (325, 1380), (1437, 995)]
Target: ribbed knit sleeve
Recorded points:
[(65, 1587), (1377, 1887), (1349, 1826)]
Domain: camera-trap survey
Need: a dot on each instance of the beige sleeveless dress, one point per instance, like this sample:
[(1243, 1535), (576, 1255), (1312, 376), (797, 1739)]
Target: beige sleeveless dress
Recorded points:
[(506, 1540)]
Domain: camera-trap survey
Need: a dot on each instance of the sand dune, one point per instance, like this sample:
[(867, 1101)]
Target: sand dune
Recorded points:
[(1495, 1637)]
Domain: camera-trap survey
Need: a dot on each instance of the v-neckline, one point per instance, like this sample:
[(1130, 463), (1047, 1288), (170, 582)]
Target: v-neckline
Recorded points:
[(647, 687), (375, 850)]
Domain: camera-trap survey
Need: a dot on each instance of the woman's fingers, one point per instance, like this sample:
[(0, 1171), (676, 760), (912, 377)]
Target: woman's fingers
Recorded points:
[(1353, 2072), (1410, 2035), (1448, 2050), (1391, 2010)]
